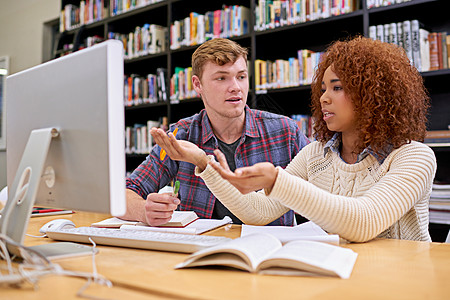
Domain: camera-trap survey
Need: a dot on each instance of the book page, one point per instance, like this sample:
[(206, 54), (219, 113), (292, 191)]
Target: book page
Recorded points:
[(199, 226), (205, 225), (306, 231), (251, 249), (178, 219), (114, 222), (314, 257), (181, 219)]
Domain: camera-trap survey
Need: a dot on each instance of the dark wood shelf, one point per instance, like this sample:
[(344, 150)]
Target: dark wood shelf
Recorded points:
[(277, 43)]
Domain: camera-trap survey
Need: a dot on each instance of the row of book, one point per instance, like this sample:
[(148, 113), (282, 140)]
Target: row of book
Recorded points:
[(87, 42), (181, 87), (73, 16), (117, 7), (138, 139), (274, 13), (439, 50), (426, 50), (145, 89), (305, 123), (198, 28), (379, 3), (440, 204), (438, 138), (144, 40), (283, 73)]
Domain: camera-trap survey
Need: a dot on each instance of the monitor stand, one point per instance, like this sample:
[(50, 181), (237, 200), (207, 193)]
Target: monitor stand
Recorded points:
[(22, 196)]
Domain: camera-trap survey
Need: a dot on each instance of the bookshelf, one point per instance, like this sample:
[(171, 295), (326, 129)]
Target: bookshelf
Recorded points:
[(270, 44)]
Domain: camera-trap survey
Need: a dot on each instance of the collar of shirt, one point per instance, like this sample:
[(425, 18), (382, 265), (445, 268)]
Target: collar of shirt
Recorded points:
[(334, 144), (250, 129)]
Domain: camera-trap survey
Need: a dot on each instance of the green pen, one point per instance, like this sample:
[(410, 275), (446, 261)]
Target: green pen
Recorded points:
[(176, 187)]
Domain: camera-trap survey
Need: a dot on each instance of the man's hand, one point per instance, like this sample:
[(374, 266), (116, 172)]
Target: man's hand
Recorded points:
[(247, 179), (159, 208), (179, 149)]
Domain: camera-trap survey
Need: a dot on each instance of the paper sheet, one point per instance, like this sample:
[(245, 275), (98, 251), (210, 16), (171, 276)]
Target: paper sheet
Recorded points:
[(306, 231)]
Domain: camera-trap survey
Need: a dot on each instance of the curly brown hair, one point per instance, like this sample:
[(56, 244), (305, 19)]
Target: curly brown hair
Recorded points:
[(390, 99)]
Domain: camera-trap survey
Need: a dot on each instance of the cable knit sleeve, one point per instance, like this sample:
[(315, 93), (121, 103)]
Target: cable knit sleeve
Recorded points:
[(407, 181), (254, 208)]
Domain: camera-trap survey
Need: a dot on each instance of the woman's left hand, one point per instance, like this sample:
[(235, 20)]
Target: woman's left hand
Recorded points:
[(246, 179)]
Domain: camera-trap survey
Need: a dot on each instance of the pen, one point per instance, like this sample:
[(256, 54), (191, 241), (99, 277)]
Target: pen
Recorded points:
[(176, 188), (44, 210), (162, 154)]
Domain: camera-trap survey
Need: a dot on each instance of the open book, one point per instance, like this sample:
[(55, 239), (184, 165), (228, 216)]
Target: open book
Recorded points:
[(264, 254), (179, 219), (198, 226)]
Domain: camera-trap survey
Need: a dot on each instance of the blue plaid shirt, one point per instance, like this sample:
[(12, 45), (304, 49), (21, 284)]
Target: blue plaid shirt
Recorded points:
[(266, 137)]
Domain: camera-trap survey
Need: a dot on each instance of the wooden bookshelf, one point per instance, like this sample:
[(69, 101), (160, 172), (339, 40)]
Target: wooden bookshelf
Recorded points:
[(270, 44)]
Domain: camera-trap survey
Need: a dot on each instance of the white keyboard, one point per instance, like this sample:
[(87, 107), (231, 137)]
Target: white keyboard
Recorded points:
[(163, 241)]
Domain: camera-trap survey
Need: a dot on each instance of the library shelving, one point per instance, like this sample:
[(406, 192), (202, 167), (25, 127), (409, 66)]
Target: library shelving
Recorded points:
[(273, 33)]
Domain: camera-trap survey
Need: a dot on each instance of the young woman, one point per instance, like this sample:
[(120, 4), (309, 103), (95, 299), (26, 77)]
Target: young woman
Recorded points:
[(367, 175)]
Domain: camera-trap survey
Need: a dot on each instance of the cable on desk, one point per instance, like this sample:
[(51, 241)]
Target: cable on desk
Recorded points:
[(35, 266)]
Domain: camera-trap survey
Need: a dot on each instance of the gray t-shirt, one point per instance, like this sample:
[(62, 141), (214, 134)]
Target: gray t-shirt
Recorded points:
[(220, 210)]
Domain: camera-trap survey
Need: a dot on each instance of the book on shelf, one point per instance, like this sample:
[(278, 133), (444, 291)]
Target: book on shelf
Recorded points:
[(426, 50), (271, 14), (179, 219), (439, 205), (437, 137), (197, 28), (161, 76), (264, 254)]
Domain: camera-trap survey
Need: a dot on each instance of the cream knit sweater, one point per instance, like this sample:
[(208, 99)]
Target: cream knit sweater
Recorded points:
[(357, 201)]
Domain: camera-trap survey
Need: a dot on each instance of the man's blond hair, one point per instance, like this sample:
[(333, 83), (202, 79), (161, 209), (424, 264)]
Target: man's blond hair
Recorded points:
[(219, 51)]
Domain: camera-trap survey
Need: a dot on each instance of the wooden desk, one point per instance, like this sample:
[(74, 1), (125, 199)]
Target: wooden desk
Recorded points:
[(385, 269)]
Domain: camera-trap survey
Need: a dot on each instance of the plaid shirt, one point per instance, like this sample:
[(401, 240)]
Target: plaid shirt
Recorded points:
[(266, 137)]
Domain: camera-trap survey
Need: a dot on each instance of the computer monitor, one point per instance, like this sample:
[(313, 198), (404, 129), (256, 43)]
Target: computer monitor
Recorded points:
[(70, 112)]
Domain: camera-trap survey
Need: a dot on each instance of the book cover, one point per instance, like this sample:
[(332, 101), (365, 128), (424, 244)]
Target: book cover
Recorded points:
[(265, 254), (434, 51), (407, 40), (424, 50), (415, 44), (444, 50)]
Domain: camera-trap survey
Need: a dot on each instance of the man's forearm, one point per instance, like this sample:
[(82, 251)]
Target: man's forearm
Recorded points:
[(135, 207)]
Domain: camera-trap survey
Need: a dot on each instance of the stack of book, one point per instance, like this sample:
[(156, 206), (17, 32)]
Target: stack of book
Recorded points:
[(197, 28), (144, 40), (438, 138), (73, 16), (118, 7), (291, 72), (181, 87), (138, 139), (379, 3), (427, 51), (275, 13), (440, 204)]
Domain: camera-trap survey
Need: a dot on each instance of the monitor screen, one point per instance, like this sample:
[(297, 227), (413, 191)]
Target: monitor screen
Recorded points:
[(80, 97)]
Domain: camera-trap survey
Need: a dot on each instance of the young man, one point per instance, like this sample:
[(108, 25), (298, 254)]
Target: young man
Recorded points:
[(246, 137)]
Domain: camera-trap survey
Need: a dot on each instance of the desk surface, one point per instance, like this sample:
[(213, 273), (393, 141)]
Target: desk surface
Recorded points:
[(389, 269)]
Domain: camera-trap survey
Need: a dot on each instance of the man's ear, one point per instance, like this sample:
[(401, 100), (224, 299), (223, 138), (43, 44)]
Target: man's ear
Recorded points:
[(197, 84)]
